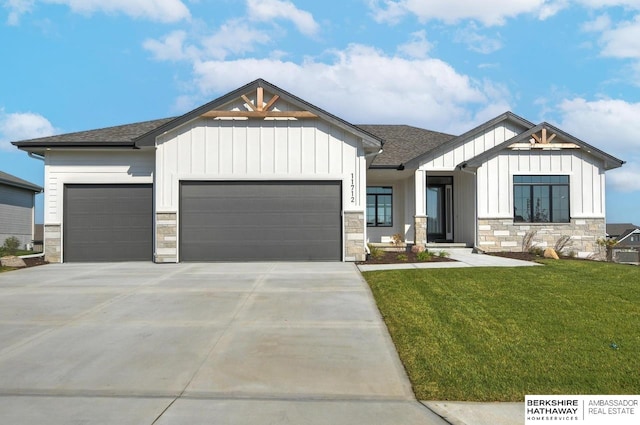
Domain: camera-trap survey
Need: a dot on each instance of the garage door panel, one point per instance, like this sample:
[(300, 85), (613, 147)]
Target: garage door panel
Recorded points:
[(111, 222), (227, 221)]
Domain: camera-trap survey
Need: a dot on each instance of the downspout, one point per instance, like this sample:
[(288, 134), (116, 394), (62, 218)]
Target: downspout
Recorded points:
[(463, 168)]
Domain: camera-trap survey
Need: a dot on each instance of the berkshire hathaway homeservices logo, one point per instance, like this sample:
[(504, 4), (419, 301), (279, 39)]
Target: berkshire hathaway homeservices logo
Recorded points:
[(583, 410)]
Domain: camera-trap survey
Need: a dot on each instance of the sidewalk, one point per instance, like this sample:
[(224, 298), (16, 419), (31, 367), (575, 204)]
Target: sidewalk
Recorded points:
[(463, 256), (471, 413)]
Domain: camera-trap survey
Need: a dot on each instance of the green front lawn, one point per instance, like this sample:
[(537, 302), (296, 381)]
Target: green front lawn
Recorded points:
[(497, 334)]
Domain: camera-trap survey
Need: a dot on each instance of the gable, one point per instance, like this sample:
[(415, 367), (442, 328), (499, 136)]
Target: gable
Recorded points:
[(259, 101), (546, 138)]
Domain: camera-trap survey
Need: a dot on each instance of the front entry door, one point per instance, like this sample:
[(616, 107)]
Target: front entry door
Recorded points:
[(440, 209)]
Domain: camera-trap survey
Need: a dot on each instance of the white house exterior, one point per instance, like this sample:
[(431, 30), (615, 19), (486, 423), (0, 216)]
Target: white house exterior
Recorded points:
[(260, 174)]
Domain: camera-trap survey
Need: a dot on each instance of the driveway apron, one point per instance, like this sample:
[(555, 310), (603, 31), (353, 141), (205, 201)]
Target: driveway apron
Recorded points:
[(199, 343)]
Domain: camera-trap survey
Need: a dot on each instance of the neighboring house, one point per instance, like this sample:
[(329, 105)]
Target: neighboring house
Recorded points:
[(17, 206), (627, 250), (260, 174), (627, 234)]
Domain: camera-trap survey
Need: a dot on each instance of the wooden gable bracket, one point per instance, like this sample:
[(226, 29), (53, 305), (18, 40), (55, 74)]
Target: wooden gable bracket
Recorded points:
[(543, 141), (259, 109)]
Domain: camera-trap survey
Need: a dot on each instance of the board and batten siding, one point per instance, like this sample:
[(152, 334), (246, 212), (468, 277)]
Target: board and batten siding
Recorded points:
[(211, 149), (586, 180), (16, 214), (447, 158), (91, 166)]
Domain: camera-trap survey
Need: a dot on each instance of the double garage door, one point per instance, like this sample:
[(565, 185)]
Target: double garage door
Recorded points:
[(219, 221), (260, 221)]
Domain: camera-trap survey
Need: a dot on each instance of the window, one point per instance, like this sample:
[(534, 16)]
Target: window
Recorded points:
[(635, 238), (541, 199), (379, 206)]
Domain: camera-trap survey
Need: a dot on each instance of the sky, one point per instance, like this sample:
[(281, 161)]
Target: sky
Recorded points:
[(444, 65)]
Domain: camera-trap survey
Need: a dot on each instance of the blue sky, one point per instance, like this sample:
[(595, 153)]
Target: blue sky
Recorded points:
[(446, 65)]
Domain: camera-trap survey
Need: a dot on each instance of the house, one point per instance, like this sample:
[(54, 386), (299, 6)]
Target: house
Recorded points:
[(260, 174), (627, 248), (627, 234), (17, 208)]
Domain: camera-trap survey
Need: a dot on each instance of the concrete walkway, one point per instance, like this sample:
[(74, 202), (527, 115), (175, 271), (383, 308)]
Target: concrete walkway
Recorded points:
[(142, 343), (464, 258)]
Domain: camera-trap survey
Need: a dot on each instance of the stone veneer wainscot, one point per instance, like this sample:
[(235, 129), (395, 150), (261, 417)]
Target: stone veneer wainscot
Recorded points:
[(52, 243), (495, 235)]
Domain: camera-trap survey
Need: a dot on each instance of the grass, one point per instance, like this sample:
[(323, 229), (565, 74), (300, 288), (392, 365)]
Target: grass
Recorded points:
[(497, 334)]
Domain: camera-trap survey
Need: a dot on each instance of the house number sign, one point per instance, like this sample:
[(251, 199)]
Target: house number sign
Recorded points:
[(353, 189)]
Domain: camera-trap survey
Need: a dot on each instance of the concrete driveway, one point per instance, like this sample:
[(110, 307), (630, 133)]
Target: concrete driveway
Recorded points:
[(142, 343)]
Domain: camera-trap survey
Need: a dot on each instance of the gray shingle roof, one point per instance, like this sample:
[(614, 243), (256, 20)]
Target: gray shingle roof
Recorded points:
[(14, 181), (619, 230), (121, 135), (403, 142)]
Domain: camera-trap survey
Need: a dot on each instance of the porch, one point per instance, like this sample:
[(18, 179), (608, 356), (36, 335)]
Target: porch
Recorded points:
[(436, 208)]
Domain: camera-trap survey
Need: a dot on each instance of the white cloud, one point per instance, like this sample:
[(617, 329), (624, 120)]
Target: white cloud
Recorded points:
[(154, 10), (169, 48), (268, 10), (425, 92), (476, 41), (235, 37), (17, 8), (601, 23), (22, 126), (488, 12), (611, 125), (418, 47), (623, 40)]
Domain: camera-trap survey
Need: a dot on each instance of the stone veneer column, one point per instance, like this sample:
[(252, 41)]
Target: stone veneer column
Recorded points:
[(166, 238), (52, 243), (354, 236), (420, 230)]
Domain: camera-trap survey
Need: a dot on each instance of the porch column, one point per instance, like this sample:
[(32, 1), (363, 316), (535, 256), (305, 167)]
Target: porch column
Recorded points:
[(420, 217)]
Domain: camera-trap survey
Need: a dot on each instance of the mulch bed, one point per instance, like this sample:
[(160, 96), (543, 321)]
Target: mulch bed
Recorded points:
[(392, 258), (526, 256), (36, 261)]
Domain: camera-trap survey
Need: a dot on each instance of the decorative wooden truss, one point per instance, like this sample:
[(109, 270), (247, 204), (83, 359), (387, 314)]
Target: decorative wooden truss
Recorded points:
[(259, 110), (543, 141)]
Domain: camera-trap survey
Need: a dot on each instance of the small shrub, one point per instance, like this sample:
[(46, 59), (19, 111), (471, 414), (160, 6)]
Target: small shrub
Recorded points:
[(536, 250), (608, 245), (402, 257), (424, 256), (527, 240), (375, 252), (11, 245), (397, 239), (565, 241), (572, 254), (443, 254)]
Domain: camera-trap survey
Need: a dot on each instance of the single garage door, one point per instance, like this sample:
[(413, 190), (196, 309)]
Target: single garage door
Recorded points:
[(260, 221), (111, 222)]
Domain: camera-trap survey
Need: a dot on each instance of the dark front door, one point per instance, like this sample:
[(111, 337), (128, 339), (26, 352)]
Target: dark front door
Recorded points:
[(440, 209)]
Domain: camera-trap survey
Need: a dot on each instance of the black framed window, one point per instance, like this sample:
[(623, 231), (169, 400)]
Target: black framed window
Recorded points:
[(541, 199), (379, 206)]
